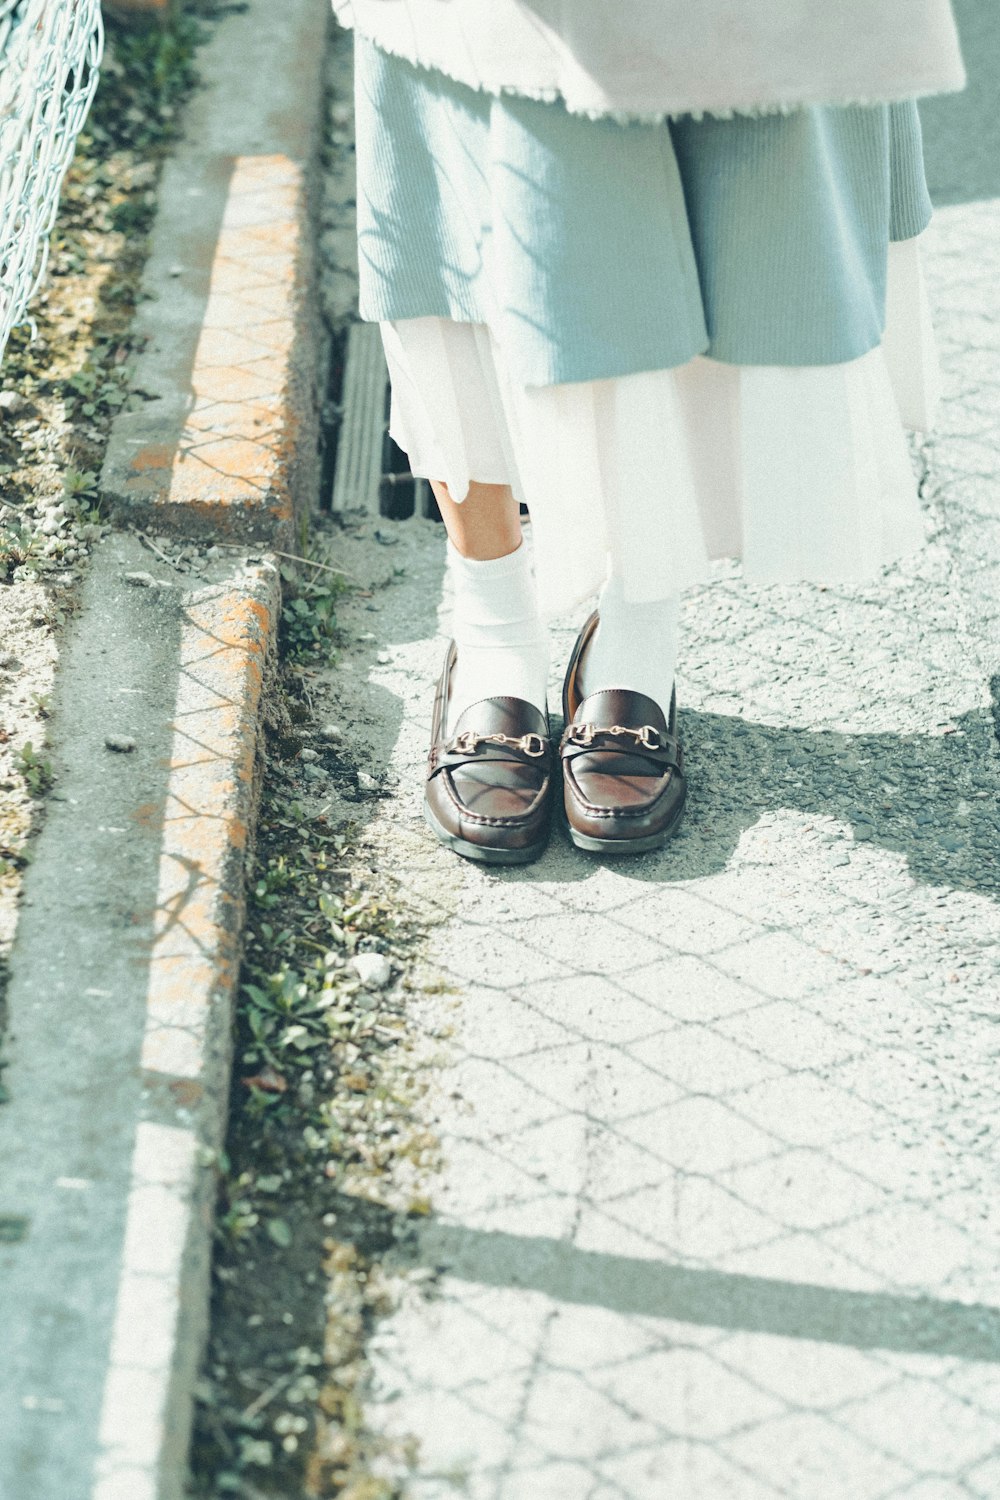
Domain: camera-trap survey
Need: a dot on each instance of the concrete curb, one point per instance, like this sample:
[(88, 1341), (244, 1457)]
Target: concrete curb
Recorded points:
[(126, 960), (227, 638), (226, 442), (123, 979)]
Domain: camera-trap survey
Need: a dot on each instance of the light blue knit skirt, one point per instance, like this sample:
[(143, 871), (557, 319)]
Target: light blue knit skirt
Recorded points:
[(547, 285), (596, 249)]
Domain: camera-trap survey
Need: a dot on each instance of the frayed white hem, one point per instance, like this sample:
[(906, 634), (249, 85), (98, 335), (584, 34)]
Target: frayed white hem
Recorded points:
[(688, 109)]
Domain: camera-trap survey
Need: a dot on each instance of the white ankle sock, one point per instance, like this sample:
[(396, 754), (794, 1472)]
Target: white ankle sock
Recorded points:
[(502, 645), (634, 646)]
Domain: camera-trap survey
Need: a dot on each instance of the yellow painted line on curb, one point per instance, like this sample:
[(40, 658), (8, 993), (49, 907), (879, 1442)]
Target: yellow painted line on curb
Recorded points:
[(223, 648), (236, 447)]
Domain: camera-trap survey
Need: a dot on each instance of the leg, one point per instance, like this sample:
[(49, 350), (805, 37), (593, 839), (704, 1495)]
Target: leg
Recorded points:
[(634, 647), (502, 645), (623, 768), (486, 525), (496, 810)]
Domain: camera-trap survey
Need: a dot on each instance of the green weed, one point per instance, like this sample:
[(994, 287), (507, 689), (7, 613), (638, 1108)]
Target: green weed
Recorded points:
[(38, 773), (16, 548), (309, 616), (147, 73)]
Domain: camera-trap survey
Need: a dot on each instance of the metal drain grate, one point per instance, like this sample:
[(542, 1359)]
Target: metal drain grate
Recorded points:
[(371, 472)]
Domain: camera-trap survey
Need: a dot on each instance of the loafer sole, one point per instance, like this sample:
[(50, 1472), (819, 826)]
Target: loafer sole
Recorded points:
[(484, 854), (641, 845)]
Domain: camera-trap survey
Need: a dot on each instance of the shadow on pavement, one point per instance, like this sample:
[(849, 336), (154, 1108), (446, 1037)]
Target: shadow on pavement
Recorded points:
[(930, 797), (718, 1299)]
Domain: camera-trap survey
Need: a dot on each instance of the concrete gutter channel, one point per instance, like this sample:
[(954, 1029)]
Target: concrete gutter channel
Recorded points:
[(127, 952)]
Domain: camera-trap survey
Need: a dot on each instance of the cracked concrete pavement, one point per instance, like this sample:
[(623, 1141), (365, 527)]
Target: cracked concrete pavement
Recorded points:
[(719, 1209)]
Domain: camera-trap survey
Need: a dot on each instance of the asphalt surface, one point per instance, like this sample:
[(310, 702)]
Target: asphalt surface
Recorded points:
[(719, 1209)]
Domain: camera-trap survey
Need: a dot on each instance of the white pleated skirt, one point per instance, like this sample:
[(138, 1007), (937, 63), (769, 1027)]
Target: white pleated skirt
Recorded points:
[(803, 473)]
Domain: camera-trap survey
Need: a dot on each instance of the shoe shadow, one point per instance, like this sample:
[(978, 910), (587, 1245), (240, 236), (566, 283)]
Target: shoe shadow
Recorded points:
[(932, 797)]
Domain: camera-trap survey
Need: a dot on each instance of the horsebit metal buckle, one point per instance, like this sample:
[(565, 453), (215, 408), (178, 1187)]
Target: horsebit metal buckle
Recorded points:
[(469, 741), (583, 734)]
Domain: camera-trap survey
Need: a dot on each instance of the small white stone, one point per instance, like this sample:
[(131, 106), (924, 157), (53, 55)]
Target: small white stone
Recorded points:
[(124, 744), (384, 658), (332, 733), (143, 174), (308, 755), (373, 969), (11, 402), (367, 782)]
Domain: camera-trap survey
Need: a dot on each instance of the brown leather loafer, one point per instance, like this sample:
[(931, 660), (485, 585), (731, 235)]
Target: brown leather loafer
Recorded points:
[(489, 784), (623, 769)]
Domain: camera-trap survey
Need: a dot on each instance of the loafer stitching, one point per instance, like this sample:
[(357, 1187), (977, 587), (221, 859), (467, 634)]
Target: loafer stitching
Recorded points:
[(516, 821), (643, 810)]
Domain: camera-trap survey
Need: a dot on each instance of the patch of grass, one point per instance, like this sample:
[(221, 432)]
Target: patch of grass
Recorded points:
[(71, 367), (148, 72), (309, 620), (309, 613)]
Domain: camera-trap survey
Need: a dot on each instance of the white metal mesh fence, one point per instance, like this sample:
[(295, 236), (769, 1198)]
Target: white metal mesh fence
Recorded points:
[(50, 51)]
